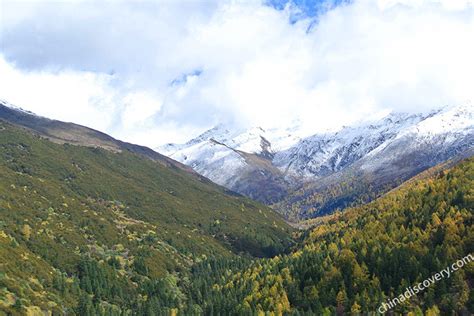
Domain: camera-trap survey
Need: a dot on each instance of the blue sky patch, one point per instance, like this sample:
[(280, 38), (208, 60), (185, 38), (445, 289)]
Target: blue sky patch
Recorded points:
[(306, 8), (181, 80)]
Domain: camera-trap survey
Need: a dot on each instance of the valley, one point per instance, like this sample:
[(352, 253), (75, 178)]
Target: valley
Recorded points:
[(94, 226), (236, 158)]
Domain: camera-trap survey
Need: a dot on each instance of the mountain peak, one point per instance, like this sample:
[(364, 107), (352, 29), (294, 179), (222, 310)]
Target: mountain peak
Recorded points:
[(288, 156)]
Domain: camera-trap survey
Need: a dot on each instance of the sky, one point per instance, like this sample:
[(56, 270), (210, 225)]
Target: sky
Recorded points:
[(154, 72)]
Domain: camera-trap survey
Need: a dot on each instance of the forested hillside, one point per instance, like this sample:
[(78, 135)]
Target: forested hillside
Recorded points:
[(356, 260), (86, 230)]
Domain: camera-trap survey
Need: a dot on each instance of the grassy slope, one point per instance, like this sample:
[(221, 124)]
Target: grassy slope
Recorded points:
[(59, 203)]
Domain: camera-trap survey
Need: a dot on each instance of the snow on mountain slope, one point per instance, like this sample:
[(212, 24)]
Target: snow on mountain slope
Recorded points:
[(253, 140), (222, 154), (212, 159), (16, 108), (450, 120), (249, 160), (214, 153), (442, 134), (411, 145), (322, 154)]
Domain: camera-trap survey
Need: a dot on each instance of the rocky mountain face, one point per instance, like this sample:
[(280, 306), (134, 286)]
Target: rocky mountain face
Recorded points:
[(310, 176)]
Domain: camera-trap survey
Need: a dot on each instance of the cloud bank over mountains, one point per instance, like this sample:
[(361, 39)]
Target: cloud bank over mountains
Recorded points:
[(162, 72)]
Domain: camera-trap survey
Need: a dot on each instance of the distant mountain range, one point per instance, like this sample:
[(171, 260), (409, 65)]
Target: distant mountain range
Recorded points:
[(308, 176)]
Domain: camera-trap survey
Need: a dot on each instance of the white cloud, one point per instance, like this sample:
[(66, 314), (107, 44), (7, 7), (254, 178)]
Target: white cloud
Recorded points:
[(88, 99), (139, 107), (82, 97), (237, 62)]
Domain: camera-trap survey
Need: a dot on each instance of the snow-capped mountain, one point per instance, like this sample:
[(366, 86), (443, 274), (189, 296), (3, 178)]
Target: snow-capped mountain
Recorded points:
[(383, 152), (256, 140), (323, 154), (409, 146), (239, 159), (442, 134)]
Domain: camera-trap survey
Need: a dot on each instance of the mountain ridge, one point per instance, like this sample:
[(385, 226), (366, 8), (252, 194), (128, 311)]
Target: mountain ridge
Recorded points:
[(68, 132), (366, 151)]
